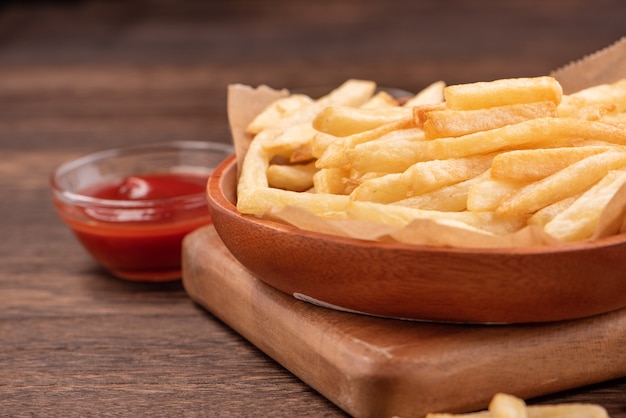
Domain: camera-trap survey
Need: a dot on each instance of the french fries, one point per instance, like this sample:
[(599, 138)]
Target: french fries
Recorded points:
[(504, 405), (420, 178), (580, 218), (446, 122), (345, 120), (487, 94), (296, 177), (489, 157)]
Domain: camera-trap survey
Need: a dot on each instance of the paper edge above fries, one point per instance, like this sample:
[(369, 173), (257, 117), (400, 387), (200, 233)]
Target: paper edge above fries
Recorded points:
[(245, 102)]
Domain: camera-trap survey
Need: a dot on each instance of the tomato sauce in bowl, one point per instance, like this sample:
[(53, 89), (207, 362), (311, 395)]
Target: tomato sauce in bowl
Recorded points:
[(131, 210)]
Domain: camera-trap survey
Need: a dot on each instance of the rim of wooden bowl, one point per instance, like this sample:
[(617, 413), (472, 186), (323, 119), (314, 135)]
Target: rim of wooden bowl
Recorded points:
[(593, 298)]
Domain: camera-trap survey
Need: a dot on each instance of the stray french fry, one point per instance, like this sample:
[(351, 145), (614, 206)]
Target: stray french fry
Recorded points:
[(572, 410), (503, 405)]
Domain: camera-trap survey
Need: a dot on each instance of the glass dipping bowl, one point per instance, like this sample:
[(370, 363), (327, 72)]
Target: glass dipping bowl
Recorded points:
[(129, 209)]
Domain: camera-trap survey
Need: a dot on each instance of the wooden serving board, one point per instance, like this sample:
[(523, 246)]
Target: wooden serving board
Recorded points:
[(379, 367)]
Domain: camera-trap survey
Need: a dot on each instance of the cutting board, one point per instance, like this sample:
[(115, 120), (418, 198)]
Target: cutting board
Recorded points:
[(381, 367)]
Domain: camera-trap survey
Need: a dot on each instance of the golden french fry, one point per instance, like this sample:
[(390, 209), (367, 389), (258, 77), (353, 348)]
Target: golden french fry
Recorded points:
[(371, 156), (303, 153), (503, 92), (350, 93), (420, 178), (330, 180), (398, 155), (297, 177), (278, 110), (344, 120), (508, 406), (448, 123), (356, 178), (420, 113), (616, 119), (336, 153), (379, 100), (578, 221), (431, 94), (254, 168), (569, 106), (320, 143), (287, 141), (546, 214), (487, 195), (479, 414), (388, 188), (535, 164), (261, 200), (612, 94), (452, 198), (503, 405), (595, 102), (425, 176), (571, 410), (596, 111), (572, 180)]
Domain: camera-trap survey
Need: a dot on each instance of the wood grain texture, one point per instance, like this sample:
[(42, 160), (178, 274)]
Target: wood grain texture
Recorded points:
[(374, 367), (79, 76)]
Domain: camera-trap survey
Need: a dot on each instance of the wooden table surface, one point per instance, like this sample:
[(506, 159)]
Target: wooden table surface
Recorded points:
[(80, 76)]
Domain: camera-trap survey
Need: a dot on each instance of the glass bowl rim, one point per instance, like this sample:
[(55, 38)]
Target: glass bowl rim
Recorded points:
[(74, 198)]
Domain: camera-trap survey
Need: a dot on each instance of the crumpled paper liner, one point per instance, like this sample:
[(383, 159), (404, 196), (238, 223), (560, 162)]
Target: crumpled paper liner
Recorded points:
[(242, 106), (607, 65), (245, 102)]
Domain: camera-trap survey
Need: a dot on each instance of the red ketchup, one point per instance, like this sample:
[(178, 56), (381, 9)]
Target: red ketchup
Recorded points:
[(143, 242)]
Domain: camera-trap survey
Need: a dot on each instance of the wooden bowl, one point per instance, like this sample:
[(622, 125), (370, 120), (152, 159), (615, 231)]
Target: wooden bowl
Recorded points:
[(422, 282)]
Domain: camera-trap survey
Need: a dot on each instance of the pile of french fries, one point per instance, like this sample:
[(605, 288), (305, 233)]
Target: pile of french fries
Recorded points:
[(503, 405), (490, 157)]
